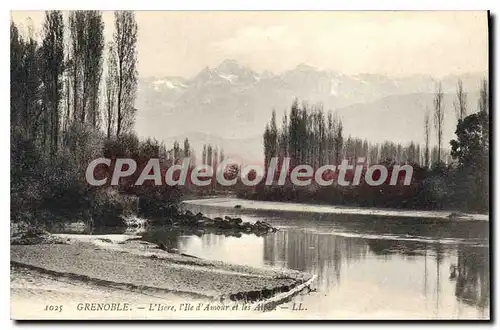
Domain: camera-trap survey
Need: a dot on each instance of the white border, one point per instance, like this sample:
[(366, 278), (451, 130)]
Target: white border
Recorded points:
[(258, 5), (193, 5)]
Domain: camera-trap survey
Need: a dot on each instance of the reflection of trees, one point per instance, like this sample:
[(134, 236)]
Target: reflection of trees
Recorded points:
[(387, 246), (426, 228), (169, 238), (439, 255), (319, 254), (210, 240), (471, 274)]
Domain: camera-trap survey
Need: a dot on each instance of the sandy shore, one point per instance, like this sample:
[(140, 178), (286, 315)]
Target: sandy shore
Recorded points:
[(123, 263)]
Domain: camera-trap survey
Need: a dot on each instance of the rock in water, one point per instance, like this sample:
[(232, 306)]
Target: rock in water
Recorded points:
[(235, 225)]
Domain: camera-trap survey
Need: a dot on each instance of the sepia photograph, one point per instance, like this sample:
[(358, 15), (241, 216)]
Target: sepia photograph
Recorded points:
[(250, 165)]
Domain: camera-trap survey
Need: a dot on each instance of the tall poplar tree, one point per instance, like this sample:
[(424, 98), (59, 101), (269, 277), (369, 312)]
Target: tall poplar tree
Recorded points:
[(52, 58), (125, 43)]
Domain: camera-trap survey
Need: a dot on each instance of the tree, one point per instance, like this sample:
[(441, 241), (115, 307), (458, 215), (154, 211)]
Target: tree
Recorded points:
[(125, 42), (53, 68), (93, 54), (293, 130), (209, 155), (471, 144), (67, 87), (418, 158), (214, 164), (267, 145), (460, 103), (483, 102), (374, 153), (270, 139), (29, 103), (110, 91), (484, 105), (411, 154), (221, 155), (307, 137), (87, 46), (283, 140), (273, 136), (204, 155), (338, 141), (471, 149), (187, 148), (427, 134), (439, 118), (330, 138), (177, 152), (17, 49), (322, 152), (302, 135), (77, 35)]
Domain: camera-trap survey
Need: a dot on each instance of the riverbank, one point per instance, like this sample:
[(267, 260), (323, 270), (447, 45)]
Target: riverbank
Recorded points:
[(126, 262)]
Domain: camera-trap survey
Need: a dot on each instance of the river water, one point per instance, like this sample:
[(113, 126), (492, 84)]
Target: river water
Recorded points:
[(369, 264), (366, 266)]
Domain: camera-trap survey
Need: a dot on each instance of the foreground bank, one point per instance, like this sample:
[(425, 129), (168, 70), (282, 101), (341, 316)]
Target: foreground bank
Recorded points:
[(126, 263)]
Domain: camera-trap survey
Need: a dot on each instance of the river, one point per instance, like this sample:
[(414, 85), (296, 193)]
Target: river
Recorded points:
[(367, 266)]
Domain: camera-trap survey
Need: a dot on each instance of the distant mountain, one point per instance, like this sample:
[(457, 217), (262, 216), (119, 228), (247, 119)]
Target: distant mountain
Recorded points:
[(232, 102), (400, 118)]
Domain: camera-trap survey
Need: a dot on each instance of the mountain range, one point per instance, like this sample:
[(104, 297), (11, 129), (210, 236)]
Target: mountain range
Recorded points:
[(229, 105)]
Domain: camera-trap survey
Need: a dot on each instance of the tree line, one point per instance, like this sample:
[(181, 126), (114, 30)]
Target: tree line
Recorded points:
[(58, 81), (312, 138), (72, 101), (212, 156), (446, 173)]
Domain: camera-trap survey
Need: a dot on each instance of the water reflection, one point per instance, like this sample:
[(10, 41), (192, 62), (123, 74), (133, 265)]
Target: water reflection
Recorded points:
[(471, 275), (319, 254), (433, 269)]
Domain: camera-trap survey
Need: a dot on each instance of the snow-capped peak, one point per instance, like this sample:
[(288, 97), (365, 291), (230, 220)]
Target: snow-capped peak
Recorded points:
[(168, 83)]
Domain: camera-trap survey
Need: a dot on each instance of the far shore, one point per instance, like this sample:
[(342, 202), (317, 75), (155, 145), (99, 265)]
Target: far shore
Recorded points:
[(240, 203)]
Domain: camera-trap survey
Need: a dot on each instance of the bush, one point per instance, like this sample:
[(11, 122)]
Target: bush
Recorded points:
[(109, 207), (45, 187)]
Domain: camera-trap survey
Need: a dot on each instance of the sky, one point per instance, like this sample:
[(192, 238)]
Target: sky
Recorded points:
[(378, 42)]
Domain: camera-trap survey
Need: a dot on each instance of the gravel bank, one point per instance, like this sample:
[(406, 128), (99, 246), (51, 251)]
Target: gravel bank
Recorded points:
[(126, 260)]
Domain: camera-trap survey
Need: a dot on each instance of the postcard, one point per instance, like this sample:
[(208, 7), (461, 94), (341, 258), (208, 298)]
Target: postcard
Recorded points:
[(250, 165)]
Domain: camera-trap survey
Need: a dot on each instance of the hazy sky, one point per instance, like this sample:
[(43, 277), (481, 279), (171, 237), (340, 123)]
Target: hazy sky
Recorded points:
[(392, 43)]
